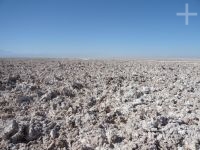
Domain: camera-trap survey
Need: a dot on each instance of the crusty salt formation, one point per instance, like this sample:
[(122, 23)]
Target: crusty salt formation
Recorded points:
[(99, 104)]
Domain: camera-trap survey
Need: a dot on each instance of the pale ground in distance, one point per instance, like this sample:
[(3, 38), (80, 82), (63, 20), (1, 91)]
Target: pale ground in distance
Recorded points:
[(99, 104)]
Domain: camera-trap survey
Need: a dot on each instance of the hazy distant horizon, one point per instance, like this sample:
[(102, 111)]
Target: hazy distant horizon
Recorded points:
[(18, 56)]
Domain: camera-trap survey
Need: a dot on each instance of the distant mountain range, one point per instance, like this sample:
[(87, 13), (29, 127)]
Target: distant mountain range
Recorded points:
[(5, 53)]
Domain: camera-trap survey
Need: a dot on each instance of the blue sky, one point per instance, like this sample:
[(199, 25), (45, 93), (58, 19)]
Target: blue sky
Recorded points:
[(98, 28)]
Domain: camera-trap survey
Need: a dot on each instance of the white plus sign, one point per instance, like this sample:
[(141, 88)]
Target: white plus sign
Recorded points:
[(186, 14)]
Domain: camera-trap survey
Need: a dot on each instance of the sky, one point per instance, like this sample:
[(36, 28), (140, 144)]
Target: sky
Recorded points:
[(99, 28)]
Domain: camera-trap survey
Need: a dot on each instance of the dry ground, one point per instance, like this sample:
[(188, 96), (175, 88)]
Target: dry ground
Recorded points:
[(99, 104)]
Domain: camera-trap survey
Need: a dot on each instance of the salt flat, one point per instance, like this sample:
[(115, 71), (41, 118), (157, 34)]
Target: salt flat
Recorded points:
[(99, 104)]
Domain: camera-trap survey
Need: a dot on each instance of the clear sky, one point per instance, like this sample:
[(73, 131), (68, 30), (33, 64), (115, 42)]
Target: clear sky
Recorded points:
[(98, 28)]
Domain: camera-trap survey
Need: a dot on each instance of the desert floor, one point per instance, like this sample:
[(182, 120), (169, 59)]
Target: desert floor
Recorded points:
[(99, 104)]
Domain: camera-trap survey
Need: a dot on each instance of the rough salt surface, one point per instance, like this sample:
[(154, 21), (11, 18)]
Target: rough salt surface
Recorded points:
[(99, 104)]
